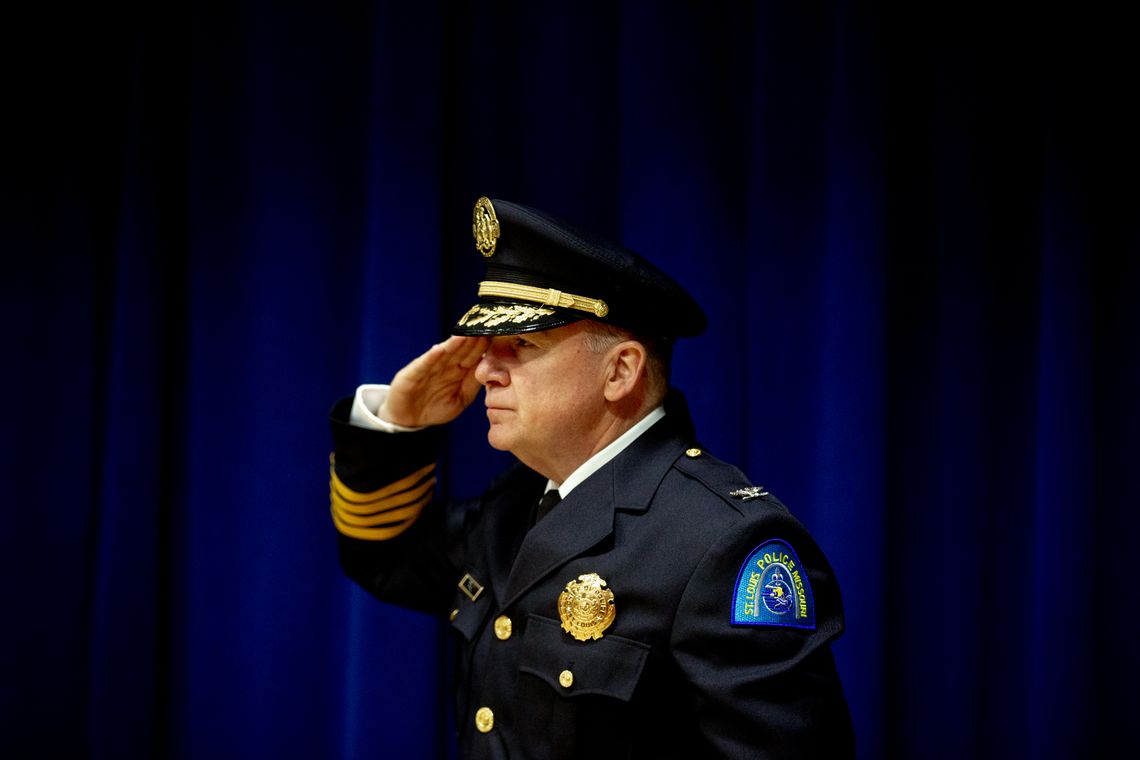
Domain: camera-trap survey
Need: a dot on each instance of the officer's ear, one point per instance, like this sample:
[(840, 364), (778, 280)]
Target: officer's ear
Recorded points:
[(625, 370)]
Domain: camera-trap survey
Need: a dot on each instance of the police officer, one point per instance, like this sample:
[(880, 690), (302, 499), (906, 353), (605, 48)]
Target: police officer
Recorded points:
[(619, 592)]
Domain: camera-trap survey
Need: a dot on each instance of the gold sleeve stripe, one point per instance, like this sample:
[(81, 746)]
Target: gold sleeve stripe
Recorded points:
[(408, 512), (382, 514), (402, 484), (403, 498), (370, 534)]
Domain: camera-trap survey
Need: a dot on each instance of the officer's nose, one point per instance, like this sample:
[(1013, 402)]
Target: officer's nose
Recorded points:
[(490, 369)]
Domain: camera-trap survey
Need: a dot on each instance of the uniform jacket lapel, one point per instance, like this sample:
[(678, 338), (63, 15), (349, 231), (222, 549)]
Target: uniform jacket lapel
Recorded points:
[(586, 517), (502, 527)]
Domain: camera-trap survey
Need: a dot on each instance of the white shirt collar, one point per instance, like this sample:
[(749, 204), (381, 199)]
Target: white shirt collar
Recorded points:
[(595, 463)]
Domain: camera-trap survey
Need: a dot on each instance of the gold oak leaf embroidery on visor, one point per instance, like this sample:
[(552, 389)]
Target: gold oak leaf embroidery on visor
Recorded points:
[(491, 316), (384, 513)]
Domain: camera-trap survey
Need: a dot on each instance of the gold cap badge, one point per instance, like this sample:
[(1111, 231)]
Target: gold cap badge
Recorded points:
[(485, 226), (586, 607)]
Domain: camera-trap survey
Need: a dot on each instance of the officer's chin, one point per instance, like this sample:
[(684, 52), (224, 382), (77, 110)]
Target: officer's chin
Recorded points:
[(497, 439)]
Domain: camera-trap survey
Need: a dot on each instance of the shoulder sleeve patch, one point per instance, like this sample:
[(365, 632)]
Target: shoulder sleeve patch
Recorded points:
[(772, 589)]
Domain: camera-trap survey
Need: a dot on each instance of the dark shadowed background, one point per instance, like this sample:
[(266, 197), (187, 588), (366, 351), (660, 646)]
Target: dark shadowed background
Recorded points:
[(915, 234)]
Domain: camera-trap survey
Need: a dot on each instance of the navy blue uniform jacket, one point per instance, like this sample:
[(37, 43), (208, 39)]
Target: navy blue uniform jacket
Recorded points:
[(672, 676)]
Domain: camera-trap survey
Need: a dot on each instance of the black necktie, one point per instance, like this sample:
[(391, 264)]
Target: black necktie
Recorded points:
[(546, 503)]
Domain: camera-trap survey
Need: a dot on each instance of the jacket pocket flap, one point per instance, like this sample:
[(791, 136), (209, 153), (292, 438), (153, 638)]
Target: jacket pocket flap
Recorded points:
[(610, 666)]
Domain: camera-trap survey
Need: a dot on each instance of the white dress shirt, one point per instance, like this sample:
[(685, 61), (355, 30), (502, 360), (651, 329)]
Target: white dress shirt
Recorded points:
[(369, 398)]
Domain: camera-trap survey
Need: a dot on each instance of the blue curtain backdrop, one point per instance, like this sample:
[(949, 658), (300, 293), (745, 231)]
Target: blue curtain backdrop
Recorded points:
[(915, 233)]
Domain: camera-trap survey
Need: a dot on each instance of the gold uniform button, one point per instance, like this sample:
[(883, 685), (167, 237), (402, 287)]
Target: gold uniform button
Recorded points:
[(502, 627), (484, 719), (692, 453), (454, 614), (566, 678)]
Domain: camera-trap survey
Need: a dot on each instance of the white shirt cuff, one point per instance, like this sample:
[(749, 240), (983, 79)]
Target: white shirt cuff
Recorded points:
[(369, 399)]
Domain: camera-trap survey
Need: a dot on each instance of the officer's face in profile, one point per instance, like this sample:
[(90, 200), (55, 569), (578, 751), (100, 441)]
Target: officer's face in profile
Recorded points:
[(544, 394)]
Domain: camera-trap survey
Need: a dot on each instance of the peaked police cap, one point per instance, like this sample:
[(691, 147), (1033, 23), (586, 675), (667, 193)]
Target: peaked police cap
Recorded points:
[(543, 273)]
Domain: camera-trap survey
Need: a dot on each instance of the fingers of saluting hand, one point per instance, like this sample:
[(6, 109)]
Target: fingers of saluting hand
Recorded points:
[(457, 355), (436, 386), (466, 351)]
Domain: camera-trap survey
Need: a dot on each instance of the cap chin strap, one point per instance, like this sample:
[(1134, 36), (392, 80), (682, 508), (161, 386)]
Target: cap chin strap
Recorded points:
[(544, 296)]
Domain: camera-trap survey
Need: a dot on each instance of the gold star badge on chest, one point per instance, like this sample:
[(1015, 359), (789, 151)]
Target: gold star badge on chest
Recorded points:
[(586, 607)]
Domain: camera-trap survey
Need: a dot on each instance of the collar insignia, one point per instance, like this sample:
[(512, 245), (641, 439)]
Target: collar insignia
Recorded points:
[(586, 607), (747, 494), (485, 227)]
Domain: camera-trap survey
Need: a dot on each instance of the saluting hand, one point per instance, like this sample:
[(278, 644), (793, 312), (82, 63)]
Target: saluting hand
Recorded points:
[(436, 386)]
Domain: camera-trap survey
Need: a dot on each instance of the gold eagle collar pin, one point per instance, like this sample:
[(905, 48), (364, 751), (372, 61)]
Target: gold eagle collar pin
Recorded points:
[(586, 607)]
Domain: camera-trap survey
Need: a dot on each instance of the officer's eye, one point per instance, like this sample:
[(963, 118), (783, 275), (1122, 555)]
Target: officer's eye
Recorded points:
[(522, 343)]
